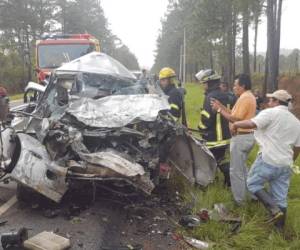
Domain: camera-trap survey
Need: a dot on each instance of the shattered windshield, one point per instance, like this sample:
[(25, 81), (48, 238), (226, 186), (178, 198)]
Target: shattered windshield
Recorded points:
[(96, 86), (65, 87), (54, 55)]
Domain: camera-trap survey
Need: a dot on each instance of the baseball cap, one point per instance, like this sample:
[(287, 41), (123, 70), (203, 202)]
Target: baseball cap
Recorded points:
[(281, 95)]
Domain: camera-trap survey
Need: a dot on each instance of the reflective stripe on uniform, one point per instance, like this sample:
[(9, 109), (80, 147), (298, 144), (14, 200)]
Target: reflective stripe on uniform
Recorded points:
[(174, 106), (201, 125), (174, 118), (205, 113), (219, 131), (214, 144)]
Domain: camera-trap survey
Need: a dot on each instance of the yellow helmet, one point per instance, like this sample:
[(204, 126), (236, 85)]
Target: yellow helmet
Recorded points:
[(166, 73)]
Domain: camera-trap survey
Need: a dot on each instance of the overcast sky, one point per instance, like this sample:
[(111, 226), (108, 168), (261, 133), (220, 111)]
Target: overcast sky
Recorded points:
[(137, 23)]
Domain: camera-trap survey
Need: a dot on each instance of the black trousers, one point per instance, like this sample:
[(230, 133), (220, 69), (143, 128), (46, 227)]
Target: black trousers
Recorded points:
[(219, 154)]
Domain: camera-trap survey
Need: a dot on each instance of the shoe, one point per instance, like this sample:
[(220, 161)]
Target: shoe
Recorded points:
[(276, 218), (279, 224)]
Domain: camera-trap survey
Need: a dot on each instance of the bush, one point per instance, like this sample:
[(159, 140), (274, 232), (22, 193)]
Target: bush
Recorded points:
[(12, 75)]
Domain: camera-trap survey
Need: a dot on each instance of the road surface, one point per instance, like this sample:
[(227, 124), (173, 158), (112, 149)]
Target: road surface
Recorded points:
[(108, 223)]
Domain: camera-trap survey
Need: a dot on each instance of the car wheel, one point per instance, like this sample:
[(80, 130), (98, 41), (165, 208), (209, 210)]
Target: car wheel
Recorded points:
[(26, 194)]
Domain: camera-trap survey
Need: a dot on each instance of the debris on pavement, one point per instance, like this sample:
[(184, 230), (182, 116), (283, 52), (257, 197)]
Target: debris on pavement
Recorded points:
[(125, 247), (14, 239), (189, 221), (51, 213), (221, 213), (198, 244), (76, 220), (204, 215), (47, 241)]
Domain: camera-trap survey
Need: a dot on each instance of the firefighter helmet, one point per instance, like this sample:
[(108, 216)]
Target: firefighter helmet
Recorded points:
[(207, 75), (166, 73)]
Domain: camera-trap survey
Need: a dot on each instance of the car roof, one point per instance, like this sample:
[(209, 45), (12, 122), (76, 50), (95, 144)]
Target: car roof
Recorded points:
[(97, 63)]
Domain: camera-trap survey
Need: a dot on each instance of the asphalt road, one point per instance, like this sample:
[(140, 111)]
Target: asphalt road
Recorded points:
[(94, 227), (108, 223)]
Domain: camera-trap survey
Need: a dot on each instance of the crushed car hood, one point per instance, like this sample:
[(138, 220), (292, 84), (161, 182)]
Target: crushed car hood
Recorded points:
[(117, 111)]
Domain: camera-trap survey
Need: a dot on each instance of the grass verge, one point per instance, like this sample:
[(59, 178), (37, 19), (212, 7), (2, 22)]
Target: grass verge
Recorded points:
[(16, 97)]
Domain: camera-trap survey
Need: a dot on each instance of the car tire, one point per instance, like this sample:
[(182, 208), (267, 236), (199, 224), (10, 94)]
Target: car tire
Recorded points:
[(25, 194)]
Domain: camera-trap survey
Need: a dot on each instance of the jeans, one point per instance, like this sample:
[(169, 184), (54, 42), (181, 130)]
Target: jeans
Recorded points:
[(240, 147), (278, 179)]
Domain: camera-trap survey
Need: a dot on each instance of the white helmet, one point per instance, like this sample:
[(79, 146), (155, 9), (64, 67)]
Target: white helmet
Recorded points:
[(207, 75)]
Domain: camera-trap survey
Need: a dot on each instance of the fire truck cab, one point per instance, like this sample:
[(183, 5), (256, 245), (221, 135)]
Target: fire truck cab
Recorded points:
[(54, 50)]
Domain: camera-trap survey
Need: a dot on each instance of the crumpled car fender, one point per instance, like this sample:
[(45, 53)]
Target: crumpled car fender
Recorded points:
[(35, 170), (193, 160)]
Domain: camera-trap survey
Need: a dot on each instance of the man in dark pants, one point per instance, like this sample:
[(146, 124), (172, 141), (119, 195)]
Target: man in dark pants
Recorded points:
[(214, 128), (277, 132)]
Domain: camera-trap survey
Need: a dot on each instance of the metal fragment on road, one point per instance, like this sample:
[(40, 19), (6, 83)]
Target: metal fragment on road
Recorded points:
[(196, 243)]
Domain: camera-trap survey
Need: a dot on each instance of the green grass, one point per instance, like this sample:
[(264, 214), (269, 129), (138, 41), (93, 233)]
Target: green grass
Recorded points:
[(16, 97), (254, 233)]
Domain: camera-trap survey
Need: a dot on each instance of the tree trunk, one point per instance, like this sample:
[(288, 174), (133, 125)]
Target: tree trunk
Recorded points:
[(278, 35), (234, 33), (231, 36), (274, 9), (266, 73), (211, 58), (246, 61), (255, 42)]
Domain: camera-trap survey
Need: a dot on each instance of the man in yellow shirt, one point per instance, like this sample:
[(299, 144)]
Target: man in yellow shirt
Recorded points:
[(241, 143)]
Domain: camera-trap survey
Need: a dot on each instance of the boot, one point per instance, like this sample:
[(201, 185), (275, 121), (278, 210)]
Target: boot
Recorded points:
[(270, 205), (279, 224), (225, 169)]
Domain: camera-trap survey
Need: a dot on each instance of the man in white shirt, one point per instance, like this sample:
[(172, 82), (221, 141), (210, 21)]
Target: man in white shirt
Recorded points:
[(278, 135)]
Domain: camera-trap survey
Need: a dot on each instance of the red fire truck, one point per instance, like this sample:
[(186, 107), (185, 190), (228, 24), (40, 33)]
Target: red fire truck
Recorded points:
[(54, 50)]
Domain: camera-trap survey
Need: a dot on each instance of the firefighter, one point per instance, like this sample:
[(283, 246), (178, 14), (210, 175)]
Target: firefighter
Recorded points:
[(167, 83), (213, 127)]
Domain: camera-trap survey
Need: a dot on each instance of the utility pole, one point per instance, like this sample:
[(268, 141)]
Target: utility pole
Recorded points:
[(180, 63), (184, 58)]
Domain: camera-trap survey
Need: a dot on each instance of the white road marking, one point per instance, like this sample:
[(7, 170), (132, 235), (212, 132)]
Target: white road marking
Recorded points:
[(12, 201)]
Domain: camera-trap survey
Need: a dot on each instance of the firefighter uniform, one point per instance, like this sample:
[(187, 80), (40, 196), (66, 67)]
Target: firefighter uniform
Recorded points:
[(213, 127), (175, 97), (175, 100)]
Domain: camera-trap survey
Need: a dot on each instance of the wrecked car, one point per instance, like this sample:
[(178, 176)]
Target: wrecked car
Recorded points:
[(94, 123)]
